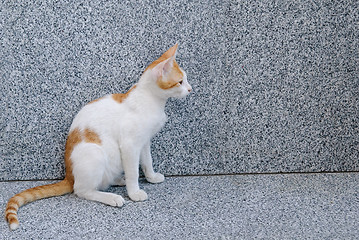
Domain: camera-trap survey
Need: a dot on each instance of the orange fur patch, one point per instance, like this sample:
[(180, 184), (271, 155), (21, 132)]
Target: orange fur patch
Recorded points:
[(91, 136), (73, 139), (7, 216), (120, 97), (13, 203), (11, 208), (13, 220)]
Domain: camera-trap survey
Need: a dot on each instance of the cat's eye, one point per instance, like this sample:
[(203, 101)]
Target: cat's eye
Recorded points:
[(180, 82)]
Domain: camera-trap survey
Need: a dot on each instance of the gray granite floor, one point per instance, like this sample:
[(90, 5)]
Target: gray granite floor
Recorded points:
[(288, 206)]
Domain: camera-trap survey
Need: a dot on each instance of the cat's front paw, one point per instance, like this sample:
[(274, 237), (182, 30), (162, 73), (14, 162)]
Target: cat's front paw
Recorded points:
[(140, 195), (155, 178)]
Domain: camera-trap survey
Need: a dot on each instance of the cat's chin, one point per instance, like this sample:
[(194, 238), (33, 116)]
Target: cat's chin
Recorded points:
[(181, 97)]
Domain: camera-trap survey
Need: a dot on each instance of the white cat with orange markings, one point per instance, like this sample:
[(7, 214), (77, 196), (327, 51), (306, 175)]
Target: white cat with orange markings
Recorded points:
[(111, 136)]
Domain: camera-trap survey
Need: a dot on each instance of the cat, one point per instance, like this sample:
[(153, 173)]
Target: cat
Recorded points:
[(110, 137)]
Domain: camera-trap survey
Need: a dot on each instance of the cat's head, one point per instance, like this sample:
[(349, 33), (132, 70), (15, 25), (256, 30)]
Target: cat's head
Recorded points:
[(166, 76)]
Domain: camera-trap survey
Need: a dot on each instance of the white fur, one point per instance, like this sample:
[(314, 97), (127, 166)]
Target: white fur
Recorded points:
[(125, 130), (14, 226)]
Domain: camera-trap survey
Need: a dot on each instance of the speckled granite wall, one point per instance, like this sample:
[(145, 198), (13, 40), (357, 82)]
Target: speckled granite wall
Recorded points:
[(276, 86)]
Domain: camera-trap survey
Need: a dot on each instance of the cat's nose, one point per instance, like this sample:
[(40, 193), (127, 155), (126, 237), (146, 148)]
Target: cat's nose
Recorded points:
[(189, 90)]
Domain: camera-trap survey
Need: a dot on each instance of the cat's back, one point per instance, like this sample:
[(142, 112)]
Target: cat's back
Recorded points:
[(100, 112)]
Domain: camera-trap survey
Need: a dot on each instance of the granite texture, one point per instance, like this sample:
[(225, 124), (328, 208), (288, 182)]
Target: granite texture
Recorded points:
[(287, 206), (276, 85)]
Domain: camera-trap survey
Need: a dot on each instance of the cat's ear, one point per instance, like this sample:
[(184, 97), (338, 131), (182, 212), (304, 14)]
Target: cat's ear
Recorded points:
[(166, 62), (163, 64), (164, 67), (171, 52)]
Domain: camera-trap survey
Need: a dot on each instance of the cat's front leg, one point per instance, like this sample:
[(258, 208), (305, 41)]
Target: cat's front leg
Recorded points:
[(130, 160), (147, 168)]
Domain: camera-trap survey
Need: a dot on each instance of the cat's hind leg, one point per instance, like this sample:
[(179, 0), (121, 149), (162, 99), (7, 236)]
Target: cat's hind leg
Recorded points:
[(89, 162), (103, 197)]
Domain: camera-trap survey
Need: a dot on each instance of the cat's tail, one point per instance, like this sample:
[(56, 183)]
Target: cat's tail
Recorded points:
[(33, 194)]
